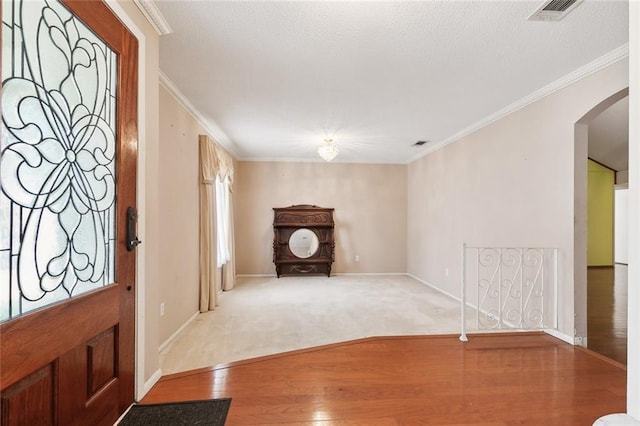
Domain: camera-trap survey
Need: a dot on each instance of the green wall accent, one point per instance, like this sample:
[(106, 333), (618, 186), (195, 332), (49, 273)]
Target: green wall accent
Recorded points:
[(600, 215)]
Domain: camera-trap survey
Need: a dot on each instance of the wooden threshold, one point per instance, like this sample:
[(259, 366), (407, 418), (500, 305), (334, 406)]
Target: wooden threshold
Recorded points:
[(295, 352), (339, 344)]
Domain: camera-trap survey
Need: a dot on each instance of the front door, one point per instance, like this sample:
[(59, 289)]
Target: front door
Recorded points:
[(67, 172)]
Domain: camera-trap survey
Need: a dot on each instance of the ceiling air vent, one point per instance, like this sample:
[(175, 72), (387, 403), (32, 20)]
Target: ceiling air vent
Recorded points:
[(553, 10), (420, 143)]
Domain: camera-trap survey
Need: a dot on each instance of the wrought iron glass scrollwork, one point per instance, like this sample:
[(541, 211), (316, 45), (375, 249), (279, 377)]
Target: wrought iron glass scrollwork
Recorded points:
[(509, 288), (57, 158)]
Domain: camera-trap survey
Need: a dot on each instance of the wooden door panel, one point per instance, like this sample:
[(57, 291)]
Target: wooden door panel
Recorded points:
[(86, 376), (30, 401), (101, 359), (88, 380), (83, 318)]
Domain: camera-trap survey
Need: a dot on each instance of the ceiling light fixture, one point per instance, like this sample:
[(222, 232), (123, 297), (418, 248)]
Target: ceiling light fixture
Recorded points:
[(328, 150)]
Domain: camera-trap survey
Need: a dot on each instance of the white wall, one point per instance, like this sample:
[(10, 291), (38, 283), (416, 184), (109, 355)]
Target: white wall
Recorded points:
[(179, 284), (370, 202), (510, 183), (621, 224)]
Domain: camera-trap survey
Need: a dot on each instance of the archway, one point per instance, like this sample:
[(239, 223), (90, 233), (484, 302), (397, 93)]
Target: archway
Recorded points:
[(581, 138)]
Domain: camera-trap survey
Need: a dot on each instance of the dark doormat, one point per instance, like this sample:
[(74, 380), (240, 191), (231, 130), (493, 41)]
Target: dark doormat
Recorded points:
[(210, 412)]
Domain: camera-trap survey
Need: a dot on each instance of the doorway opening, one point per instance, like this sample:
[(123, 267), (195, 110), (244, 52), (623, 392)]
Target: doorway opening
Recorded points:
[(601, 166)]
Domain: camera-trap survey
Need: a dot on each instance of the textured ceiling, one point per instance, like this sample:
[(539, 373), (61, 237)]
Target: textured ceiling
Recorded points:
[(279, 77)]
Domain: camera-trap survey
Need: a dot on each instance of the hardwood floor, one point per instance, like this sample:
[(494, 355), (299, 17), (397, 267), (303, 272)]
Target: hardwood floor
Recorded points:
[(607, 311), (511, 379)]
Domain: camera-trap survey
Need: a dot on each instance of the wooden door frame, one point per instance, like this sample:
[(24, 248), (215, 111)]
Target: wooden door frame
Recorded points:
[(142, 385)]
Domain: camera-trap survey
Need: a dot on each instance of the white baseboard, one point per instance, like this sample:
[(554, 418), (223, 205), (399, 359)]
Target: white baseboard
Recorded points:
[(580, 341), (446, 293), (149, 383), (366, 274), (255, 275), (174, 335), (337, 274), (562, 336)]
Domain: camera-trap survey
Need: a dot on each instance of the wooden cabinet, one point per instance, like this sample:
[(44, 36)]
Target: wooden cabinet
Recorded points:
[(303, 241)]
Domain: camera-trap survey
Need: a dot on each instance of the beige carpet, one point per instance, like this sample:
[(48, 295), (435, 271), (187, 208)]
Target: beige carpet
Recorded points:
[(263, 316)]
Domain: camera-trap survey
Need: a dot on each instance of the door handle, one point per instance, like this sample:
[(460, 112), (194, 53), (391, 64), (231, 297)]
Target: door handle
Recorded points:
[(132, 239)]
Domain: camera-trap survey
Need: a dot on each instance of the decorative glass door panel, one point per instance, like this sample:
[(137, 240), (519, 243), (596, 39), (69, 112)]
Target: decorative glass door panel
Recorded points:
[(57, 157)]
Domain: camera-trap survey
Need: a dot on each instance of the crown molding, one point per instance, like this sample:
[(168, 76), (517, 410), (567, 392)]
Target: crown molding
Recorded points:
[(154, 16), (209, 126), (336, 160), (580, 73)]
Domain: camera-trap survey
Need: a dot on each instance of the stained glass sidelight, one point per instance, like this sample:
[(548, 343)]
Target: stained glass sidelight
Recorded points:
[(57, 157)]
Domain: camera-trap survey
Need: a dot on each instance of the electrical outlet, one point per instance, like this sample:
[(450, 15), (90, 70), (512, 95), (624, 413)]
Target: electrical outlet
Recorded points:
[(446, 272), (162, 309), (357, 258)]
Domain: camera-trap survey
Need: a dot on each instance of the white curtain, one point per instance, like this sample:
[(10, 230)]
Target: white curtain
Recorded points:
[(216, 175)]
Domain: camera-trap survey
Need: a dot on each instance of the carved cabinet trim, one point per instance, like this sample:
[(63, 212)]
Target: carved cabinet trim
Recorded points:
[(286, 221)]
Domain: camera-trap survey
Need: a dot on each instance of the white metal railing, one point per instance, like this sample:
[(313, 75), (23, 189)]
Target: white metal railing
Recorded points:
[(509, 288)]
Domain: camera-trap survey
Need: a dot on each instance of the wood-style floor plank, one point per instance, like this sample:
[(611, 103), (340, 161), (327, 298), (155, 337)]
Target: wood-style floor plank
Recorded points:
[(510, 379), (607, 311)]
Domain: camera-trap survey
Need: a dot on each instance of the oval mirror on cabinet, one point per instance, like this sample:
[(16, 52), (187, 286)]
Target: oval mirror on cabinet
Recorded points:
[(303, 243)]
